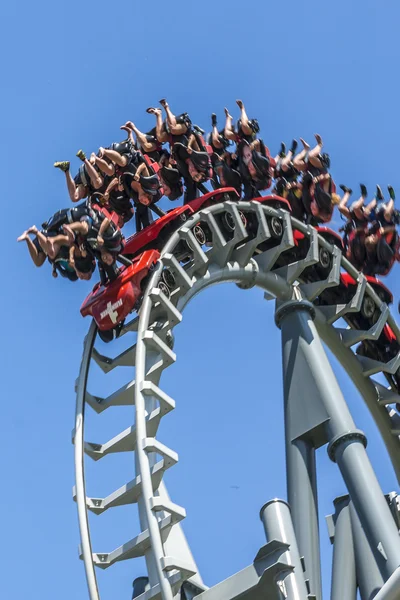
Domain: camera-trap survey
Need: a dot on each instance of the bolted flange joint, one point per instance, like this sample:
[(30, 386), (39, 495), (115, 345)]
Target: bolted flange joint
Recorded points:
[(291, 306), (349, 436)]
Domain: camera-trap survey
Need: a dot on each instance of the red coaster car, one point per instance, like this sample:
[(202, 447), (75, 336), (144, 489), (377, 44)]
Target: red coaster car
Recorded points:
[(109, 305), (387, 252), (157, 234), (386, 346), (323, 267)]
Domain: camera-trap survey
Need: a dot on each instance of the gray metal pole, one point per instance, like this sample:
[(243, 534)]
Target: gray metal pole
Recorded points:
[(369, 578), (304, 357), (278, 525), (302, 496), (391, 589), (300, 459), (344, 584)]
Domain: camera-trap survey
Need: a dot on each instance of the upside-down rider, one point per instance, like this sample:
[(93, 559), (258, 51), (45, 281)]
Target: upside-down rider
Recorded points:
[(382, 239), (358, 218), (194, 164)]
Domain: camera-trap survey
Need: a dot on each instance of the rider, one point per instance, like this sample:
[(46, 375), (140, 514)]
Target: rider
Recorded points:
[(246, 129), (355, 230), (381, 241), (143, 187), (255, 167), (193, 163), (88, 180), (173, 127), (60, 263)]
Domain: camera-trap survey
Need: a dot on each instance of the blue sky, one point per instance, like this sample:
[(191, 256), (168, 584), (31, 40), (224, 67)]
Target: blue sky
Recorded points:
[(73, 72)]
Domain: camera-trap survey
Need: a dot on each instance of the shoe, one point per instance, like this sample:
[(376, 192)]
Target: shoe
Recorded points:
[(364, 192), (282, 152), (379, 194), (198, 129), (214, 120), (80, 154), (391, 192), (63, 165), (293, 146), (346, 189)]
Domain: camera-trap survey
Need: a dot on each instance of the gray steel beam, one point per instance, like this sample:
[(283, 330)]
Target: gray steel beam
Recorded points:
[(344, 584), (369, 578), (302, 347), (365, 386), (176, 544), (391, 589), (278, 525), (79, 464), (303, 415)]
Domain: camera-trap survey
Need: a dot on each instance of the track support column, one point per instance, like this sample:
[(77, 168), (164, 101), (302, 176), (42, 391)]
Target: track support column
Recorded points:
[(344, 584), (369, 578), (278, 525), (311, 390), (304, 420)]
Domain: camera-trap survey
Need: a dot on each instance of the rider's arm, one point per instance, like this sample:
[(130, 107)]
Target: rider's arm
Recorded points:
[(140, 170), (113, 184), (103, 227)]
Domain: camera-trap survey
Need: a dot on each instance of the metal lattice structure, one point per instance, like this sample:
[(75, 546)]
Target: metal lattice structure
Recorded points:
[(364, 529)]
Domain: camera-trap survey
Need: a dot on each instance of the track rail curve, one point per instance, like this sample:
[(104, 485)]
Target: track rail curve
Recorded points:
[(248, 260)]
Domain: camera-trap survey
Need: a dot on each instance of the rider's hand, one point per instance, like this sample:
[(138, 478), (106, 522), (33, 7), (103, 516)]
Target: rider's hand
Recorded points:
[(100, 240)]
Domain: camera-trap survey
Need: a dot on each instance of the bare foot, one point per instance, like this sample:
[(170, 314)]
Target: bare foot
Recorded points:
[(128, 126), (240, 104), (101, 152), (305, 145), (69, 233), (318, 139), (32, 229), (226, 111), (24, 236)]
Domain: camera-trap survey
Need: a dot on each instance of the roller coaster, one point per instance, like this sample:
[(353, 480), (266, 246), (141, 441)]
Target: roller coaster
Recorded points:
[(320, 298)]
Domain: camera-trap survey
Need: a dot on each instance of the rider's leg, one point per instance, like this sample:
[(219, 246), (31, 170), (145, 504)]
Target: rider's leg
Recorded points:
[(313, 155), (94, 176), (174, 127), (215, 133), (229, 131), (343, 208), (244, 119), (161, 133), (37, 257)]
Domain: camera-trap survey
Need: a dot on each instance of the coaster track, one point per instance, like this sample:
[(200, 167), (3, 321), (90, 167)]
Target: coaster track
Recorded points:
[(260, 260)]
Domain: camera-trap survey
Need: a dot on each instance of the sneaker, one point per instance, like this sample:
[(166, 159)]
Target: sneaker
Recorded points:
[(214, 120), (293, 146), (282, 152), (379, 194), (198, 129), (346, 189), (391, 192), (63, 165), (80, 154), (364, 192)]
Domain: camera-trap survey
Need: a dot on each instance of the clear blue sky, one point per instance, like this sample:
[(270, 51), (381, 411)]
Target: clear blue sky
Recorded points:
[(71, 74)]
